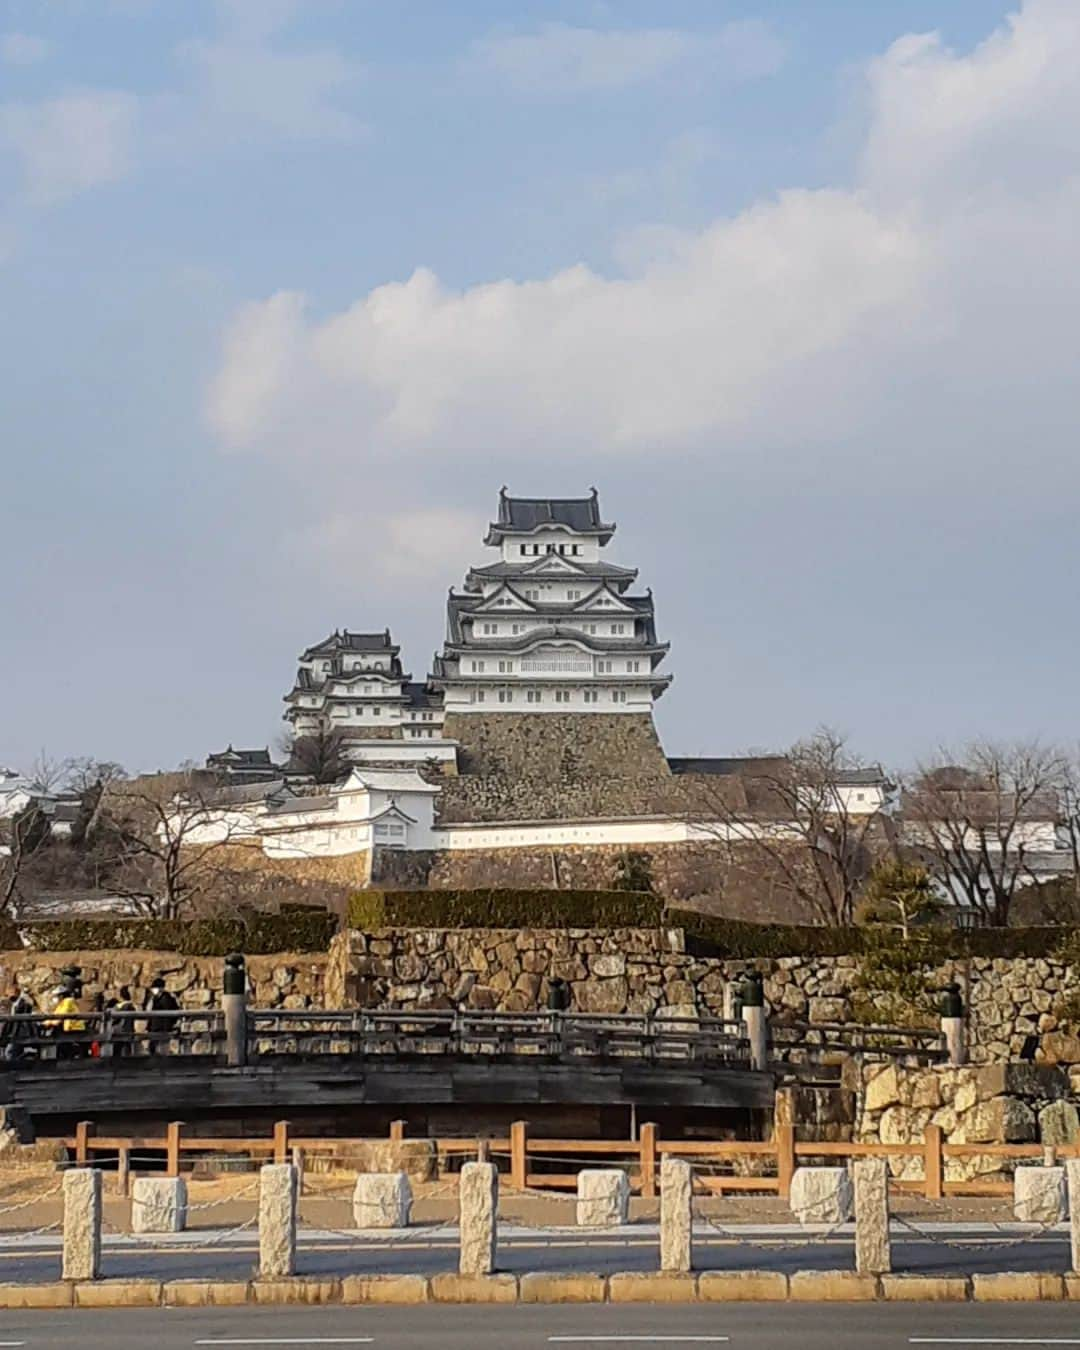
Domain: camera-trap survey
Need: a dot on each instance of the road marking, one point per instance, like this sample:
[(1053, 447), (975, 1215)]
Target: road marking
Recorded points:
[(288, 1340), (992, 1340), (624, 1340)]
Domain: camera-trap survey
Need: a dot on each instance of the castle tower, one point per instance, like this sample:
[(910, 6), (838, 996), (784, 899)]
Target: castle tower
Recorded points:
[(550, 630), (354, 683)]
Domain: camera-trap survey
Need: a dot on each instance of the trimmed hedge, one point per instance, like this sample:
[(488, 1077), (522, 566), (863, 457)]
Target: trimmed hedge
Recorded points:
[(308, 930), (707, 935), (503, 908)]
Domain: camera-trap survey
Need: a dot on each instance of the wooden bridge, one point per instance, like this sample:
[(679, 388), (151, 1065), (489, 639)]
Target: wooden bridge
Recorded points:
[(176, 1063)]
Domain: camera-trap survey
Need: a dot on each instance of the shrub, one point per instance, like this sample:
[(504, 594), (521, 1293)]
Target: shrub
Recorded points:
[(295, 930), (708, 935), (502, 908)]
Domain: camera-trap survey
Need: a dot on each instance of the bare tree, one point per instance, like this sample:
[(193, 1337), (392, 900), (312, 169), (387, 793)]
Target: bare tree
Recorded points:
[(977, 818), (794, 818), (47, 773), (85, 773), (25, 835), (319, 755), (168, 836)]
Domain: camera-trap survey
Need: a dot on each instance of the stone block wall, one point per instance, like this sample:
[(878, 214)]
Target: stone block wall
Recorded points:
[(285, 980), (557, 748), (1006, 1103)]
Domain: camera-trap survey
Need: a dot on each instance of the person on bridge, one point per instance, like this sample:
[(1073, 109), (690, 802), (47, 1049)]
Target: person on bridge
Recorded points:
[(160, 1028), (67, 1023), (121, 1029), (18, 1031)]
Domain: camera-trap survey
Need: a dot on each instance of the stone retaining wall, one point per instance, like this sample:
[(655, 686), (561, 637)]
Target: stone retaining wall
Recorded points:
[(285, 980)]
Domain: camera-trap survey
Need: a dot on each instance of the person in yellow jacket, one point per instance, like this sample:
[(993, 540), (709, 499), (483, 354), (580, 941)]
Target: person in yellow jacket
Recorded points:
[(67, 1021)]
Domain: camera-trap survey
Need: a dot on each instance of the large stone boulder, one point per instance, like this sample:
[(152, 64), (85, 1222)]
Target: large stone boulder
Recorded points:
[(382, 1200), (1059, 1124), (159, 1205), (821, 1195), (603, 1197), (1039, 1194), (882, 1090)]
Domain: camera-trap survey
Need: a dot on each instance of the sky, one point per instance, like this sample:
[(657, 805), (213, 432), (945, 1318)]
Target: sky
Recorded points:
[(289, 290)]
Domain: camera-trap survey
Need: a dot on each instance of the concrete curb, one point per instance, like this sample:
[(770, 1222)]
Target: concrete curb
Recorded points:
[(713, 1286)]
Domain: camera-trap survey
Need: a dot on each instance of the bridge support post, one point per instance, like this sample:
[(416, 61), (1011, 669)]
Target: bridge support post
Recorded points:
[(277, 1220), (234, 1006), (478, 1218), (754, 1020), (873, 1249), (676, 1215), (82, 1224)]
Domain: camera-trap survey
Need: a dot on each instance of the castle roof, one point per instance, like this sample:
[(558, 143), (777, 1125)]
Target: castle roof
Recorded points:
[(344, 641), (526, 515)]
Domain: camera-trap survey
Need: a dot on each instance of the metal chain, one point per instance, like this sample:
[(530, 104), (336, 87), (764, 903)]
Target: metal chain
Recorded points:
[(973, 1244)]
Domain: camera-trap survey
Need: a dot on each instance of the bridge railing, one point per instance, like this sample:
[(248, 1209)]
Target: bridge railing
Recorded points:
[(805, 1042), (48, 1037), (573, 1035)]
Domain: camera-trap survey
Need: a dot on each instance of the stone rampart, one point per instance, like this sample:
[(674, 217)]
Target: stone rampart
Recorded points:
[(557, 748)]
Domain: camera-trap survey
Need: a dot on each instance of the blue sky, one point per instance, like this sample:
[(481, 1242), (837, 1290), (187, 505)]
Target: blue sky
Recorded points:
[(291, 289)]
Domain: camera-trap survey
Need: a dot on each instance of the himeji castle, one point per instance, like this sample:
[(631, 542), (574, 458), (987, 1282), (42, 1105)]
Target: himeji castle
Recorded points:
[(551, 626)]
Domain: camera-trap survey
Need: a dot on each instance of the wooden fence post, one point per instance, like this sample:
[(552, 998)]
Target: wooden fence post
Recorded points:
[(785, 1159), (397, 1131), (172, 1147), (647, 1159), (83, 1130), (281, 1141), (123, 1171), (933, 1163), (519, 1154)]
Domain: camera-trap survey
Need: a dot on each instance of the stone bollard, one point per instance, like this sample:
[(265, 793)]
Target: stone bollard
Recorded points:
[(82, 1224), (478, 1219), (821, 1195), (603, 1197), (382, 1200), (159, 1205), (1039, 1194), (676, 1215), (277, 1220), (1072, 1176), (873, 1250)]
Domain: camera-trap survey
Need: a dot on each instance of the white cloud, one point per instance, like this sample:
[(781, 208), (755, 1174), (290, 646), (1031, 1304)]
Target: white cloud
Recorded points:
[(70, 144), (920, 320), (559, 58), (22, 49), (251, 81), (418, 547)]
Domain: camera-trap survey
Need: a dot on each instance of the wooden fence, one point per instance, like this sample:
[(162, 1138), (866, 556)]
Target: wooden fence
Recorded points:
[(528, 1161)]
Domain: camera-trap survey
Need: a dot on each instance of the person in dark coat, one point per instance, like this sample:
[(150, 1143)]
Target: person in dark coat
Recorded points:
[(160, 1029)]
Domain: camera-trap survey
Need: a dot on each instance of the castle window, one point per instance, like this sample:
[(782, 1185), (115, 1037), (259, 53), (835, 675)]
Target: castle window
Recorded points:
[(517, 628), (521, 548), (574, 550), (478, 667), (533, 695), (490, 628), (618, 696), (618, 628), (506, 696), (633, 665), (604, 667), (505, 667), (376, 711), (592, 695), (562, 695)]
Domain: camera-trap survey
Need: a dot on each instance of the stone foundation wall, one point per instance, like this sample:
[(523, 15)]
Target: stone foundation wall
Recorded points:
[(285, 980), (1007, 1103), (557, 748)]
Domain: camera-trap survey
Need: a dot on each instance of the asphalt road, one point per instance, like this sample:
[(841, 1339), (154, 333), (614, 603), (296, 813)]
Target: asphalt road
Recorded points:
[(523, 1250), (742, 1327)]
